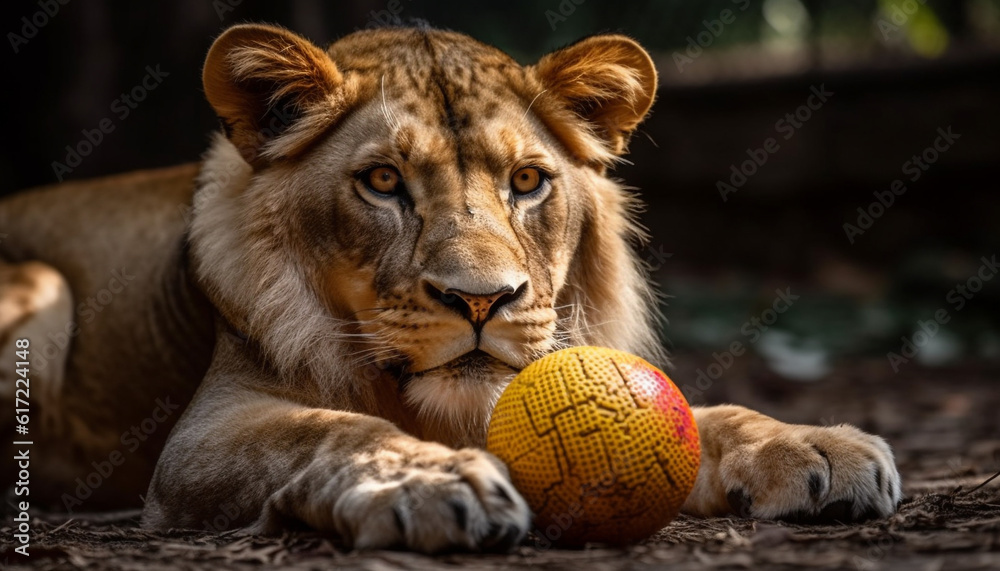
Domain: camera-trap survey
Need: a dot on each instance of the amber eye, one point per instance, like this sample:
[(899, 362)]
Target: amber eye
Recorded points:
[(383, 179), (526, 180)]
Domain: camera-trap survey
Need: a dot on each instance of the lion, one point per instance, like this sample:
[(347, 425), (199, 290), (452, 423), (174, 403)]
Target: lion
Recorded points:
[(310, 328)]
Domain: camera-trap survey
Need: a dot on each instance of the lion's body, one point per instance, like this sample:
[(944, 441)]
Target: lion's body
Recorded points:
[(387, 232), (149, 339)]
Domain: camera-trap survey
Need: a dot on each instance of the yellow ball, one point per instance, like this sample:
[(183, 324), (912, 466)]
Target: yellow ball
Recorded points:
[(601, 444)]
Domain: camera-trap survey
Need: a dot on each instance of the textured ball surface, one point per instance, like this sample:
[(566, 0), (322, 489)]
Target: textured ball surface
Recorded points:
[(600, 443)]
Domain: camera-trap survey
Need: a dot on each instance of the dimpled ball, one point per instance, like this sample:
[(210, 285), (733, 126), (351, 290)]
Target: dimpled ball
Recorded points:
[(601, 444)]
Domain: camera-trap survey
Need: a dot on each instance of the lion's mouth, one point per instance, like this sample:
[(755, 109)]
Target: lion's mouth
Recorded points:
[(474, 363), (478, 359)]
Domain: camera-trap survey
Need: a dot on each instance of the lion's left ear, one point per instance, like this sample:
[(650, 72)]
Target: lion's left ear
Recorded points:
[(607, 80), (274, 90)]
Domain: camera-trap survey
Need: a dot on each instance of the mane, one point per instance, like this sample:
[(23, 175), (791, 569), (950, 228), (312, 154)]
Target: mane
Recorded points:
[(260, 289), (608, 299)]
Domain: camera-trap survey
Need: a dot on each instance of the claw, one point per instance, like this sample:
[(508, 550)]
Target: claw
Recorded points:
[(815, 486), (503, 539), (740, 502), (461, 514)]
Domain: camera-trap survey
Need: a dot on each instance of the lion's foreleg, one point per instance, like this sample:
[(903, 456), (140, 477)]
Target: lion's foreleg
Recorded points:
[(272, 463)]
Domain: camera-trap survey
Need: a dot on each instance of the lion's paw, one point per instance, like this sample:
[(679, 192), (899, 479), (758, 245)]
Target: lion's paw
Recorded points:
[(811, 474), (437, 499)]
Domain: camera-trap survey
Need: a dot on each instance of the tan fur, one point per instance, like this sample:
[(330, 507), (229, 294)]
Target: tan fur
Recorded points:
[(346, 378), (34, 300)]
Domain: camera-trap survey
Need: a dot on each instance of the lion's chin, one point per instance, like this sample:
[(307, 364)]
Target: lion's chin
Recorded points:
[(460, 394)]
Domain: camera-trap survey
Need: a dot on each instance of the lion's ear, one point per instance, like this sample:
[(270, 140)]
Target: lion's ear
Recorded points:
[(274, 90), (607, 80)]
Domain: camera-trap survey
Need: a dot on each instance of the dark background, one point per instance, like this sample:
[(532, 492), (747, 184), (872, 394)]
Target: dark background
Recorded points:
[(895, 82)]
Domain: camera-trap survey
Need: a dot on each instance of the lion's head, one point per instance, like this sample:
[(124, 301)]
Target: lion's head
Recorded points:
[(416, 203)]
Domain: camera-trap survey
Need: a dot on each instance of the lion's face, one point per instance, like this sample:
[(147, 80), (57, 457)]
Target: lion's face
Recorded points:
[(446, 247), (440, 213)]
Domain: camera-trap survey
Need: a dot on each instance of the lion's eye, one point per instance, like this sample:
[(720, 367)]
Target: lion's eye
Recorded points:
[(526, 180), (383, 179)]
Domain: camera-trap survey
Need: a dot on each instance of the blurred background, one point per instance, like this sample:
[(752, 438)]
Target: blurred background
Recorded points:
[(768, 164)]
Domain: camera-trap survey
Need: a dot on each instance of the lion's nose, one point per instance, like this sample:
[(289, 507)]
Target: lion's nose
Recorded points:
[(478, 308)]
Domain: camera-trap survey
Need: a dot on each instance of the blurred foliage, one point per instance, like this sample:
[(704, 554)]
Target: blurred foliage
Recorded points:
[(937, 300), (925, 27)]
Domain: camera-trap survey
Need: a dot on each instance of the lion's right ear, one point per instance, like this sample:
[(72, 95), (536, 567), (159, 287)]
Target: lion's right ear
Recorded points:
[(274, 90)]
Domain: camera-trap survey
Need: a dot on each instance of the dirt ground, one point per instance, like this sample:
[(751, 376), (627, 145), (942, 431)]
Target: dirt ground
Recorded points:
[(944, 425)]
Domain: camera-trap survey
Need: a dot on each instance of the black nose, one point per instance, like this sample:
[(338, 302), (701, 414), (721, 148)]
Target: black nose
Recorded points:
[(478, 308)]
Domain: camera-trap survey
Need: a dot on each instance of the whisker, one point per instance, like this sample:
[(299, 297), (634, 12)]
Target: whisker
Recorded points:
[(533, 102), (390, 118), (372, 309)]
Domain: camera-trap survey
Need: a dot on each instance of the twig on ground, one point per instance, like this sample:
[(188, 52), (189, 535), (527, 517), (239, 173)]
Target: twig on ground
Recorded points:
[(988, 480)]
